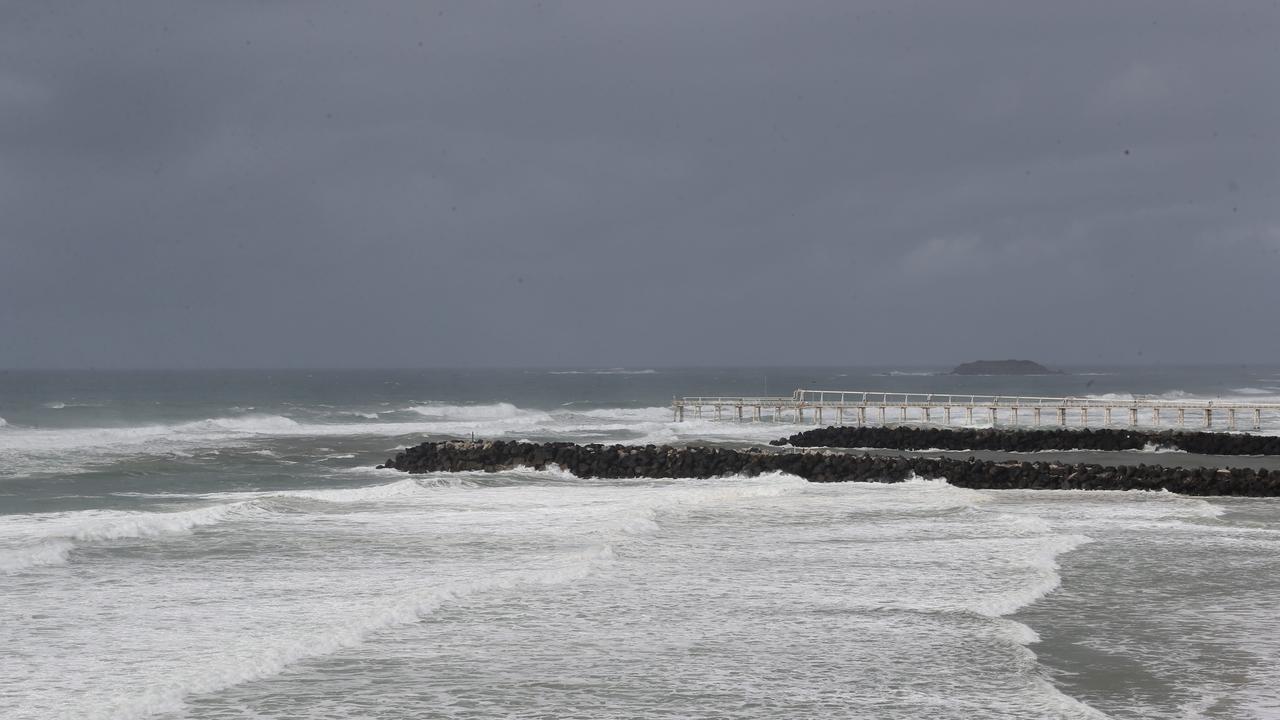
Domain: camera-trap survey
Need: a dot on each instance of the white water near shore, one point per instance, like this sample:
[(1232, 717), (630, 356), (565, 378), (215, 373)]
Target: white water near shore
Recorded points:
[(950, 558), (208, 556), (352, 564)]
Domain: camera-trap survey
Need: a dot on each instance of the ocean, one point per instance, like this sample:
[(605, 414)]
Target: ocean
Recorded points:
[(218, 544)]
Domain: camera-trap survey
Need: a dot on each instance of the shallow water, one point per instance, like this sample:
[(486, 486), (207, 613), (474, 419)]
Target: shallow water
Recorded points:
[(217, 545)]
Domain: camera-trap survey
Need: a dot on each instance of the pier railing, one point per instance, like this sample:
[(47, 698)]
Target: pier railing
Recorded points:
[(866, 406)]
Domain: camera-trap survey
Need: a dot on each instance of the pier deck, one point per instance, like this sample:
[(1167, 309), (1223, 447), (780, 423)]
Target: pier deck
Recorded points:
[(841, 407)]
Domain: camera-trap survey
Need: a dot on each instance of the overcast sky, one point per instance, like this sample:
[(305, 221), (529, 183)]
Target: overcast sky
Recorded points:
[(269, 184)]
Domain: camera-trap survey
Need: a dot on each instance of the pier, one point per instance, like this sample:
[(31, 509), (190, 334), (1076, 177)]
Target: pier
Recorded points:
[(858, 407)]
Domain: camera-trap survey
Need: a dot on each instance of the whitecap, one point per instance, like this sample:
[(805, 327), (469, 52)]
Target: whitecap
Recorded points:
[(49, 552), (1252, 391), (58, 534), (610, 371), (1155, 448), (490, 411), (906, 373), (346, 632)]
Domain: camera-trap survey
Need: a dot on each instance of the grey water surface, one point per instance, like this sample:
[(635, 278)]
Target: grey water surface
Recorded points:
[(205, 544)]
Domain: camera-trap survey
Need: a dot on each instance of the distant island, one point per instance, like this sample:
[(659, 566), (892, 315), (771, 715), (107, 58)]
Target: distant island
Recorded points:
[(1003, 367)]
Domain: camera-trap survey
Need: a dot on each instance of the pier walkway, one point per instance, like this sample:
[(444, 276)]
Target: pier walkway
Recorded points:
[(841, 407)]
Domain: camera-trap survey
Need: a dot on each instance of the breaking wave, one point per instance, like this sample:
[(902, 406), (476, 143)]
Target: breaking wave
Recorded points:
[(908, 373), (393, 612), (610, 371), (48, 552), (59, 535), (1255, 391), (492, 411)]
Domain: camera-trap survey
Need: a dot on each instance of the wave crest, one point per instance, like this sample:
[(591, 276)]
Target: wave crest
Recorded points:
[(55, 544), (490, 411), (610, 371), (393, 612)]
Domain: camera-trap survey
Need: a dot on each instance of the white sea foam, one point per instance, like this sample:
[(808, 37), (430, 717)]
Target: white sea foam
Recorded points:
[(347, 632), (36, 448), (486, 412), (1129, 397), (610, 371), (1194, 507), (912, 564), (49, 539), (908, 373), (938, 489), (367, 470), (375, 493), (255, 424), (1123, 397), (1252, 391), (645, 414), (1044, 569), (48, 552)]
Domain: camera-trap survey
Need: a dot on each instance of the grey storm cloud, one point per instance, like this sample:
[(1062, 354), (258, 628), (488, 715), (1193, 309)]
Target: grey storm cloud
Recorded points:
[(649, 183)]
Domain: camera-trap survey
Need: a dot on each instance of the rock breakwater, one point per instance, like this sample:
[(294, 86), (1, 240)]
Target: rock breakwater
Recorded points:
[(918, 438), (623, 461)]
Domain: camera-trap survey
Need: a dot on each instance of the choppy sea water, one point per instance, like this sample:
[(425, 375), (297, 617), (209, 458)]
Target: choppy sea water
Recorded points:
[(217, 545)]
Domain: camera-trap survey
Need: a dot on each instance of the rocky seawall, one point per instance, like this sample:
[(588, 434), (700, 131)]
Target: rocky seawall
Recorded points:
[(624, 461), (918, 438)]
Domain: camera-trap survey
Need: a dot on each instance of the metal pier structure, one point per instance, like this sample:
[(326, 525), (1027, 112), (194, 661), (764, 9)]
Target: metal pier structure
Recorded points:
[(857, 407)]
